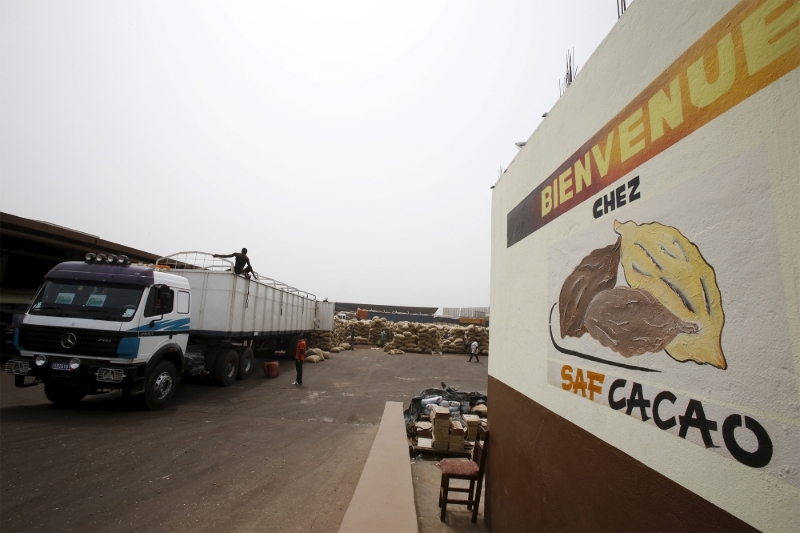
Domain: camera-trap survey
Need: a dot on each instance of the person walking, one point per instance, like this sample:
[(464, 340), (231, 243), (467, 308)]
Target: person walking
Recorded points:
[(299, 357), (383, 337), (474, 353), (353, 337), (466, 344)]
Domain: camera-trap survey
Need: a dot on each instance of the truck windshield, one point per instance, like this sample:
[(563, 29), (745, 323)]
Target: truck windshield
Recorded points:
[(99, 301)]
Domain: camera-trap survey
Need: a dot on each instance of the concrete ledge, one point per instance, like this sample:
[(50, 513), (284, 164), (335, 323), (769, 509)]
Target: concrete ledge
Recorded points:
[(384, 496)]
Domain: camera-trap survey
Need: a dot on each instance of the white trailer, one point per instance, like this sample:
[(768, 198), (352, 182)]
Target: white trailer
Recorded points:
[(105, 324)]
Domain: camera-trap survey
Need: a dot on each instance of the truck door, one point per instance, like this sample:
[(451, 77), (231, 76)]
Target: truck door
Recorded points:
[(159, 321)]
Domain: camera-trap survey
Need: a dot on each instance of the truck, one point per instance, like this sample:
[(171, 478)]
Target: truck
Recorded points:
[(105, 324)]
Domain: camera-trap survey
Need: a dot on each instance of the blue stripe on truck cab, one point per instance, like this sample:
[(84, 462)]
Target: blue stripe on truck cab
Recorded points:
[(128, 347), (180, 324), (16, 340)]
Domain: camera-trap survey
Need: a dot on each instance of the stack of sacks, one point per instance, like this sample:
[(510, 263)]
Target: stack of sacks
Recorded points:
[(317, 351), (405, 337), (481, 335), (315, 355), (321, 339), (428, 339), (453, 339), (472, 422), (378, 324), (362, 330), (440, 417), (341, 331), (457, 432)]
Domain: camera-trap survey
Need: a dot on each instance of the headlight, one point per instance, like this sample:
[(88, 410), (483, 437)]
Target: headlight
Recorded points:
[(74, 363), (40, 360), (123, 259), (100, 258), (90, 257), (112, 258)]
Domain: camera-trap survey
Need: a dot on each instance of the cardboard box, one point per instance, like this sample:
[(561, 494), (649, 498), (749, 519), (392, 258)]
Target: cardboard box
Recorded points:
[(441, 435), (440, 413), (424, 429), (424, 443), (456, 428), (456, 447)]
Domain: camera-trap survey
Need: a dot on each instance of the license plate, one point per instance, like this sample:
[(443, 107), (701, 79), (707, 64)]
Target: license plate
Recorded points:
[(59, 366)]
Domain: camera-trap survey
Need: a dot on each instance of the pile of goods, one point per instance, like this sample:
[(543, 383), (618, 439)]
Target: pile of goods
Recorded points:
[(376, 326), (429, 339), (440, 417), (322, 340), (405, 337), (402, 337), (445, 420), (481, 335), (453, 339), (315, 355)]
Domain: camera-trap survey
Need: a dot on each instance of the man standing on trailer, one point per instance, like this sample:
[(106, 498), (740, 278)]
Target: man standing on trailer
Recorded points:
[(299, 357), (239, 267)]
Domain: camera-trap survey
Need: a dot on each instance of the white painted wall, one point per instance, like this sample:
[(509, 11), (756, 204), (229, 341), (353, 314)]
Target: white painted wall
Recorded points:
[(733, 188)]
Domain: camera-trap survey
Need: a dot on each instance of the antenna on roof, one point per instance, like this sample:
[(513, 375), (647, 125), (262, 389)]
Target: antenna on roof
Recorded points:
[(621, 7), (569, 76)]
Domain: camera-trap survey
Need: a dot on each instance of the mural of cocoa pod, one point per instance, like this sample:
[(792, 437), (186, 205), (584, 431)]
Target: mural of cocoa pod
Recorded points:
[(661, 260), (633, 322), (595, 273)]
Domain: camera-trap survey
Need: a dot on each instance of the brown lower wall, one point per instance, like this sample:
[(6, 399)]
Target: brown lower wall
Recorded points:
[(547, 474)]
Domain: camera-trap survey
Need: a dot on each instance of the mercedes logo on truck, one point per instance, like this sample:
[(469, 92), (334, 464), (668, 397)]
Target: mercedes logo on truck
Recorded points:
[(68, 340)]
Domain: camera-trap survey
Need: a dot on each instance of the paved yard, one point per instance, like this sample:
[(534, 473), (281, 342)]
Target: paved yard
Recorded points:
[(260, 455)]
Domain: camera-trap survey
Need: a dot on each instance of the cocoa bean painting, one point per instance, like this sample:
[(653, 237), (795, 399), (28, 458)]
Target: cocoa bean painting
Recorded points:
[(672, 302)]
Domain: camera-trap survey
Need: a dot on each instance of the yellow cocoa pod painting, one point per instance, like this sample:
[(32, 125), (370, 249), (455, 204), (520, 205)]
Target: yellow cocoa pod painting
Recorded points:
[(662, 261)]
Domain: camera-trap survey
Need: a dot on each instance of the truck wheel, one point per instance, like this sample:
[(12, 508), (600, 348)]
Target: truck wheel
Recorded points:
[(160, 387), (227, 367), (61, 394), (246, 363)]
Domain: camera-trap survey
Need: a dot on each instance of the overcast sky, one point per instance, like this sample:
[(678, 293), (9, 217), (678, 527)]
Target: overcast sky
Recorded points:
[(350, 146)]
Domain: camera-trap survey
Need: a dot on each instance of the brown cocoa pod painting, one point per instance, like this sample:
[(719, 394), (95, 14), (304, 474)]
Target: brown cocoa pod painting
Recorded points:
[(672, 304), (633, 322), (595, 273)]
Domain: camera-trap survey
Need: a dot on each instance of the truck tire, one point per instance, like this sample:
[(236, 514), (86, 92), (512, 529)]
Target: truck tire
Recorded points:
[(160, 386), (227, 367), (61, 394), (246, 363)]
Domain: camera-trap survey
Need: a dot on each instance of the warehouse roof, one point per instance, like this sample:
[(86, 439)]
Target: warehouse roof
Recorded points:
[(54, 235)]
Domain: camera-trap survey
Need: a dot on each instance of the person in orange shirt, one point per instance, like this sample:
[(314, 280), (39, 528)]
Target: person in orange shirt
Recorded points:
[(299, 357)]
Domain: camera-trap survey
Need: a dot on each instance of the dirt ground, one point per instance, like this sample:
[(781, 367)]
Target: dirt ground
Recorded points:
[(260, 455)]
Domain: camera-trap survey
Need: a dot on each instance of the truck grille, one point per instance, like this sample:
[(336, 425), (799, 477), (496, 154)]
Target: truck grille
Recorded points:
[(17, 367), (110, 375), (87, 341)]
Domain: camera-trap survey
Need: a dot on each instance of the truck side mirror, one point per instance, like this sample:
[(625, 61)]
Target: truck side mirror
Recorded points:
[(161, 302), (164, 301)]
